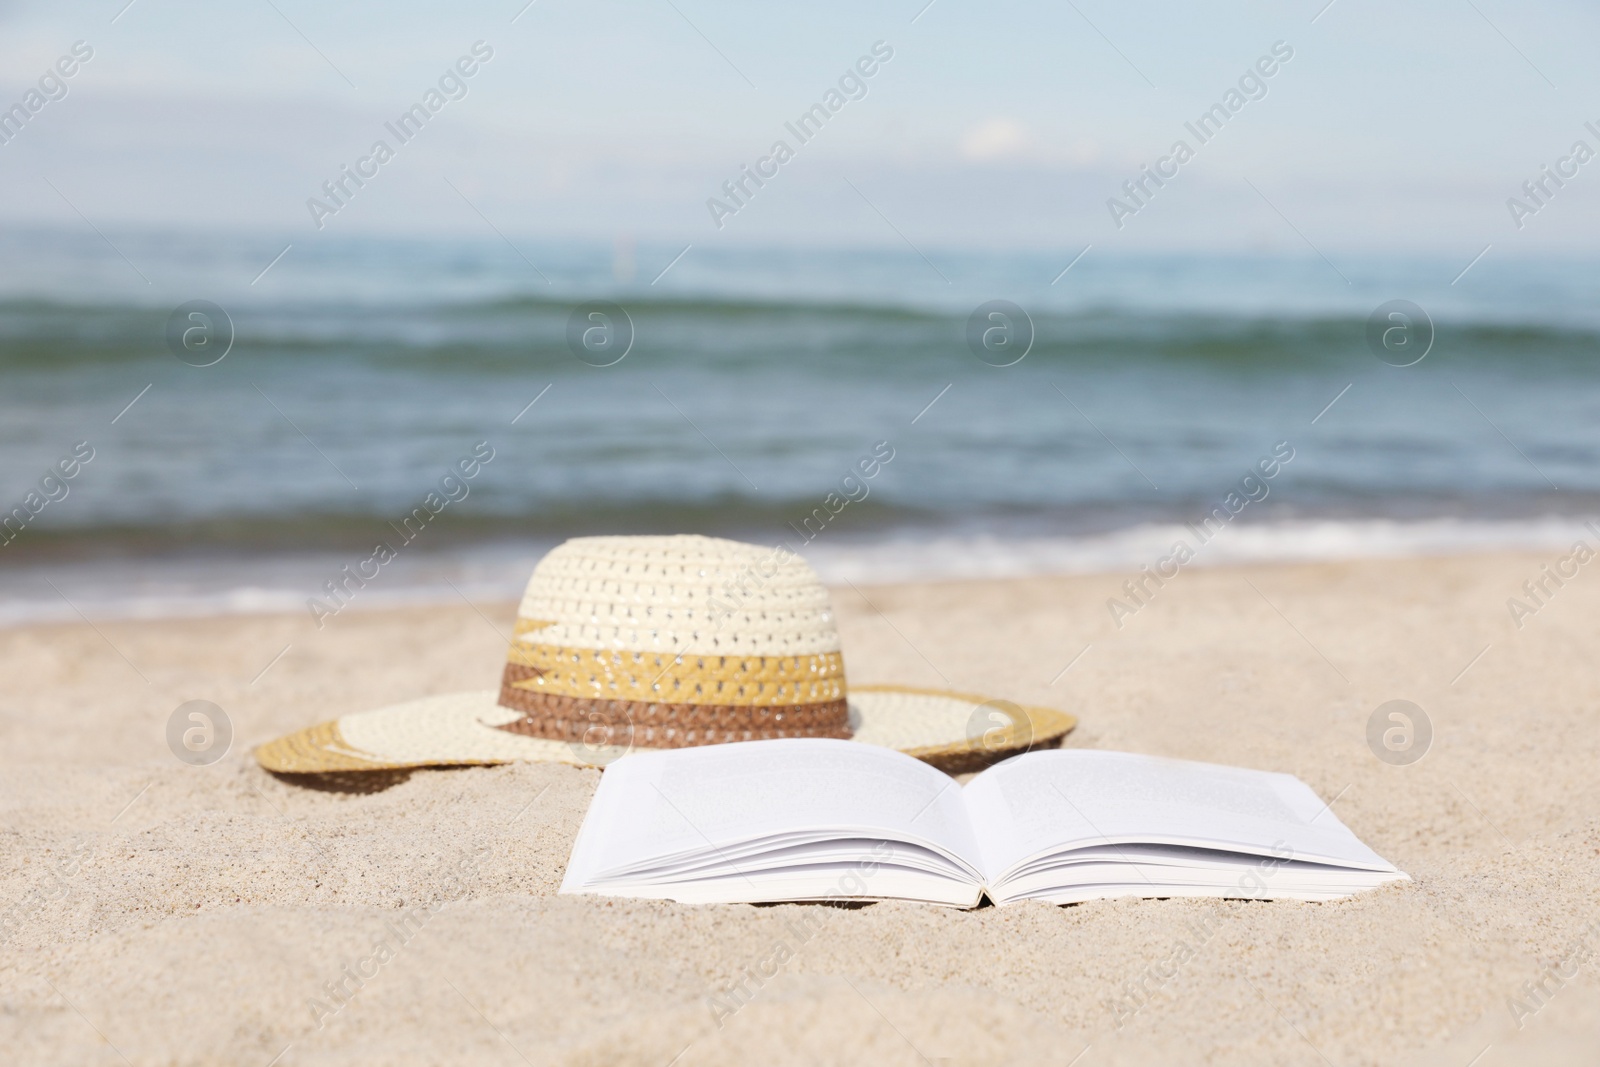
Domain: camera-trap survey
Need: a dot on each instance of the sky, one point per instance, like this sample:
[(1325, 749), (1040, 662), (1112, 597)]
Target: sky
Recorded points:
[(994, 126)]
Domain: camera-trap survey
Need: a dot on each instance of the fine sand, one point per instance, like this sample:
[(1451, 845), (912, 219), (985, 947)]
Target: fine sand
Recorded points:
[(157, 913)]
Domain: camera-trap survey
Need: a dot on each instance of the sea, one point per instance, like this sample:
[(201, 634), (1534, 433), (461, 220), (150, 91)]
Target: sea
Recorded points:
[(1041, 412)]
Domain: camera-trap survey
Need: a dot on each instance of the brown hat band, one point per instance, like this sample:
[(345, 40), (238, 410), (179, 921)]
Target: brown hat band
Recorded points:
[(653, 724)]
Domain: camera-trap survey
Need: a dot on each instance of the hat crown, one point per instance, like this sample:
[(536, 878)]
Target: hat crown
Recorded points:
[(681, 593)]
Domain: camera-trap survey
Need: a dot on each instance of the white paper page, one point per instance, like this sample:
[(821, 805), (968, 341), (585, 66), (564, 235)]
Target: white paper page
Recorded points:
[(1159, 861), (1045, 801), (666, 806), (814, 882), (842, 852), (1167, 870), (1284, 884), (1077, 894)]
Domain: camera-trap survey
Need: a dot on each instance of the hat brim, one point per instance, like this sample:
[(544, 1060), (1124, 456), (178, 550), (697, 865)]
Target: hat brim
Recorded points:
[(947, 728)]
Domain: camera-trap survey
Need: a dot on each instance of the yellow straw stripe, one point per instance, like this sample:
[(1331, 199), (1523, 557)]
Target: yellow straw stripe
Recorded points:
[(742, 681), (312, 751)]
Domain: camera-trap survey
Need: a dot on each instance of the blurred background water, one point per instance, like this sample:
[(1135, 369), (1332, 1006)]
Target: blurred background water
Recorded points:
[(361, 369)]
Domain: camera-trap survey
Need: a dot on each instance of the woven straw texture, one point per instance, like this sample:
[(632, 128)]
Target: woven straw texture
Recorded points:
[(613, 674), (683, 593), (691, 640), (628, 643), (663, 725), (468, 728)]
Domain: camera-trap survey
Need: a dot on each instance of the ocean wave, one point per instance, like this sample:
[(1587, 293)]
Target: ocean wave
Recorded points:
[(502, 335), (1326, 540), (282, 583)]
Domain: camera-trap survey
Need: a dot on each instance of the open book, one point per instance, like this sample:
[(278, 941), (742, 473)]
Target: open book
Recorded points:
[(804, 819)]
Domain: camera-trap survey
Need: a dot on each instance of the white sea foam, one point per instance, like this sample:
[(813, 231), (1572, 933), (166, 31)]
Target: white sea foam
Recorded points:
[(116, 589), (933, 557)]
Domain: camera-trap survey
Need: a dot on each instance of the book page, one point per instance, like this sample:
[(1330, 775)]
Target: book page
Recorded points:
[(1044, 802), (728, 804)]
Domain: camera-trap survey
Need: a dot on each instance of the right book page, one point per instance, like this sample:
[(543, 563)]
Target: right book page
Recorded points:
[(1037, 805)]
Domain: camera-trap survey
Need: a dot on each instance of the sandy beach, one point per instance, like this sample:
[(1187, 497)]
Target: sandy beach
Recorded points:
[(158, 913)]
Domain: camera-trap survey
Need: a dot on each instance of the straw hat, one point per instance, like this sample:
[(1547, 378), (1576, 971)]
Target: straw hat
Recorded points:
[(626, 643)]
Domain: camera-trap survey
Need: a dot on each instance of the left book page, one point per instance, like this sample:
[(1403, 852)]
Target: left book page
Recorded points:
[(763, 821)]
